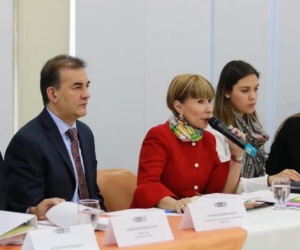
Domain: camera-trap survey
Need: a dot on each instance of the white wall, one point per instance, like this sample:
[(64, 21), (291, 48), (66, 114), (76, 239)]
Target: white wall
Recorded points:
[(135, 47), (132, 58), (32, 31), (286, 97), (6, 65), (43, 32)]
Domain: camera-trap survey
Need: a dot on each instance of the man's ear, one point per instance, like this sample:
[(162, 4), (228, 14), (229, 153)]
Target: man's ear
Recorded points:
[(52, 94)]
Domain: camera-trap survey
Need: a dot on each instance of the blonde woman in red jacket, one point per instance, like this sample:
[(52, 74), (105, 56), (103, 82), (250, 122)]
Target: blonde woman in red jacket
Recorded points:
[(178, 159)]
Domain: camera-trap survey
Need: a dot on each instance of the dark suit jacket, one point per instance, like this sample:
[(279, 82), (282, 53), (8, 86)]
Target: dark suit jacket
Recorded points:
[(2, 185), (39, 166), (285, 150)]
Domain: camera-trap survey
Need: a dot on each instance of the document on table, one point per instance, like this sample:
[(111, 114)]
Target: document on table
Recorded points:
[(66, 214), (251, 200), (260, 196), (14, 226)]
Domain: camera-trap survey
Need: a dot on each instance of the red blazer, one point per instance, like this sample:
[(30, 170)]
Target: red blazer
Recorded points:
[(171, 167)]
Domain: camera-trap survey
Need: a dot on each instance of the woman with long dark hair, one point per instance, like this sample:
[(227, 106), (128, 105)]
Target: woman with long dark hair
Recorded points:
[(235, 101)]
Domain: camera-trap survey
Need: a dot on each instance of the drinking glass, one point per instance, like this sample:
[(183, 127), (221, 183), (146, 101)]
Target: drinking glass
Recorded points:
[(88, 212), (281, 187)]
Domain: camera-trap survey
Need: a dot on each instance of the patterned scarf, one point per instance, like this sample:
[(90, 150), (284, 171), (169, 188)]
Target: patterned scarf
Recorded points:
[(253, 166), (183, 130)]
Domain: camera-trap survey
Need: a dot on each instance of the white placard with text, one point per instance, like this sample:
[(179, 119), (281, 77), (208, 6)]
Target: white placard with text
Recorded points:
[(214, 213), (138, 229), (81, 237)]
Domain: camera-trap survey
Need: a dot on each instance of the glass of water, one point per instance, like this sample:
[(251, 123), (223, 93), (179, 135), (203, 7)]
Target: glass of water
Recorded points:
[(281, 187), (88, 212)]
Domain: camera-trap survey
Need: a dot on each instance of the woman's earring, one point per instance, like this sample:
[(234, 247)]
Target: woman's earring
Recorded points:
[(181, 116), (227, 96)]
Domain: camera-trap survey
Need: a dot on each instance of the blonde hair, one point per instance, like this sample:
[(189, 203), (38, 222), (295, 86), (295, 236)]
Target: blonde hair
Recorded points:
[(188, 85)]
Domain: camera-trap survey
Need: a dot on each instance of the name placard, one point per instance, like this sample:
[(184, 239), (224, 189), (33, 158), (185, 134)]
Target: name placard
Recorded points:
[(130, 230), (212, 213), (81, 237)]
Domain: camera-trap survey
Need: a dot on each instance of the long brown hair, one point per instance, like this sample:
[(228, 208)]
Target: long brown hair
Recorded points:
[(230, 75)]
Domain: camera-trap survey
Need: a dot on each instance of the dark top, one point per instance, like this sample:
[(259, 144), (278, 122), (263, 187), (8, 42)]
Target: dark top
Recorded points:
[(39, 167), (285, 150), (2, 185)]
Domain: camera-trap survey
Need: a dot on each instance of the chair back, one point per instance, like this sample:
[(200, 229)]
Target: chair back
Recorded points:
[(117, 187)]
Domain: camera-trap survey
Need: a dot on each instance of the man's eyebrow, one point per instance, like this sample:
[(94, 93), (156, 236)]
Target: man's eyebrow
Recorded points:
[(80, 83), (77, 83)]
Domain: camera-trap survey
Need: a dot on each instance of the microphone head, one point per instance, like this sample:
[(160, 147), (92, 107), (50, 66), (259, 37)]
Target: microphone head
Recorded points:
[(213, 122)]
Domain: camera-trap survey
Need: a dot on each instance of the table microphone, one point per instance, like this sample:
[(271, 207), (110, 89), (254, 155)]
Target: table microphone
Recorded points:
[(217, 125)]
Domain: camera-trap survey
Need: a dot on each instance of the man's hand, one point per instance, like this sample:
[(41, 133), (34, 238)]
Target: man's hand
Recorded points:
[(41, 209)]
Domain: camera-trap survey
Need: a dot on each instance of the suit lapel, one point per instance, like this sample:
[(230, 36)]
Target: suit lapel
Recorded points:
[(88, 157), (54, 136), (84, 147)]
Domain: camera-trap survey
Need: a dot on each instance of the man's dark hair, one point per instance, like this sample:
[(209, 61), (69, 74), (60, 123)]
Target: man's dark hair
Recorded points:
[(50, 73)]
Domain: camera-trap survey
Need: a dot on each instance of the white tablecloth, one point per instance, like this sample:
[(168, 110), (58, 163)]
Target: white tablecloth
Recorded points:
[(272, 229)]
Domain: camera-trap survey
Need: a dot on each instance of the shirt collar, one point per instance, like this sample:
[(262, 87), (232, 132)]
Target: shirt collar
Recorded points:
[(61, 125)]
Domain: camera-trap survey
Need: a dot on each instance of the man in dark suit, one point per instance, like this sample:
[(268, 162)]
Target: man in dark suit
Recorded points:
[(41, 208), (40, 158)]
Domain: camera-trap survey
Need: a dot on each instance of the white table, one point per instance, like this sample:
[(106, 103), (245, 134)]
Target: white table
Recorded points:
[(271, 229)]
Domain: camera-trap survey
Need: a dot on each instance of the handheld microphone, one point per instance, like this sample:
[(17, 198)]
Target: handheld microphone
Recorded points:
[(217, 125)]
